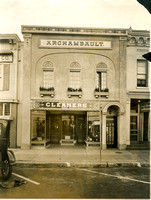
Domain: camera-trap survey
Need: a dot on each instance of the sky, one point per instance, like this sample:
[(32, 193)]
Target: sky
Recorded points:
[(73, 13)]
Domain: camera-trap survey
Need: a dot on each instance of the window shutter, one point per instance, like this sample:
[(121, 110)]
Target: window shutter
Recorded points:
[(6, 76)]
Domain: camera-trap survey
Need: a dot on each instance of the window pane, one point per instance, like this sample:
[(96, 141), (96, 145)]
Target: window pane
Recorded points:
[(141, 76), (134, 122), (141, 69), (101, 80), (7, 109), (141, 73), (141, 63), (75, 79), (141, 83), (48, 78)]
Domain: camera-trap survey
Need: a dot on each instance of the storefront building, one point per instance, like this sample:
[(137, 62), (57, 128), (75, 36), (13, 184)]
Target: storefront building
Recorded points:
[(138, 87), (10, 57), (75, 87)]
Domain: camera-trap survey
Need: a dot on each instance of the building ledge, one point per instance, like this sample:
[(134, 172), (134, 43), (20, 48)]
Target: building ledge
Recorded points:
[(47, 93), (75, 93), (101, 94)]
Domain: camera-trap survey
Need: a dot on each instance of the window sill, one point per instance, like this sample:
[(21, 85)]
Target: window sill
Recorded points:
[(75, 93), (101, 94), (6, 117), (142, 87), (47, 93)]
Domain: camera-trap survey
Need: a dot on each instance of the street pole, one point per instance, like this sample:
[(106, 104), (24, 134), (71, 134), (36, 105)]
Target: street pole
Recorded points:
[(100, 133)]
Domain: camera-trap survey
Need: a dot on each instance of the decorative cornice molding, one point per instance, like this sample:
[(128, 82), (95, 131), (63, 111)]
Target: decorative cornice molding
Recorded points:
[(139, 41), (73, 30)]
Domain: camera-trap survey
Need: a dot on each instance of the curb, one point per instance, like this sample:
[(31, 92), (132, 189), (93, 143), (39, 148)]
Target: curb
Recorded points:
[(80, 165)]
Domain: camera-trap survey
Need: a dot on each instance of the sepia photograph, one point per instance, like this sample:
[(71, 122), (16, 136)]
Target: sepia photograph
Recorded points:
[(75, 99)]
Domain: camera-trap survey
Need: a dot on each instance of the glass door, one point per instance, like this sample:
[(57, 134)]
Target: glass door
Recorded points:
[(80, 129), (68, 127), (55, 129), (111, 132), (134, 128)]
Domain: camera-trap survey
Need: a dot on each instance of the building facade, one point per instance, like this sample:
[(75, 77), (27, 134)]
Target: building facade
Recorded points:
[(138, 88), (82, 86), (74, 78), (10, 68)]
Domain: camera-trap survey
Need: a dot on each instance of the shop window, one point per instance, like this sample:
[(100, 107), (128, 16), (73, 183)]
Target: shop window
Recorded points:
[(5, 109), (93, 137), (141, 73), (101, 71), (4, 77), (38, 133)]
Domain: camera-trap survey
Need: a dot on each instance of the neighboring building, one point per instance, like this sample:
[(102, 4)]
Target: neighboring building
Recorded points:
[(74, 78), (10, 58), (138, 87)]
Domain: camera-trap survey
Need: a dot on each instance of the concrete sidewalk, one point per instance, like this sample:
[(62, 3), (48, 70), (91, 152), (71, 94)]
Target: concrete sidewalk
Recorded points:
[(68, 156)]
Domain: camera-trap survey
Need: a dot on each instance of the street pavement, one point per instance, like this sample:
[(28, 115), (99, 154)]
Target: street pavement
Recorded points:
[(80, 156)]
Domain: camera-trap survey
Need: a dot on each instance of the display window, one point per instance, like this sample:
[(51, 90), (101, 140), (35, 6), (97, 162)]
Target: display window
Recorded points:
[(93, 136), (38, 132)]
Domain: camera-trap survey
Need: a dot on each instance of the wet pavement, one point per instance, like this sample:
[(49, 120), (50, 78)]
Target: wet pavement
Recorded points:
[(100, 183)]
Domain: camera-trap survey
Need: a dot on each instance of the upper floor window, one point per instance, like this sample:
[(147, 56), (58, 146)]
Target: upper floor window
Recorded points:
[(4, 77), (48, 75), (75, 70), (142, 73), (101, 71), (5, 109)]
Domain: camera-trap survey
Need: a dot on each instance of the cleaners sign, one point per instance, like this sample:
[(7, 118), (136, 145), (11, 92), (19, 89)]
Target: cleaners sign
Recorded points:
[(75, 44), (65, 105)]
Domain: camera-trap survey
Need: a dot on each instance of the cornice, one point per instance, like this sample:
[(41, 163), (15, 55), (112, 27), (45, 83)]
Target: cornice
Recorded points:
[(10, 37), (73, 30)]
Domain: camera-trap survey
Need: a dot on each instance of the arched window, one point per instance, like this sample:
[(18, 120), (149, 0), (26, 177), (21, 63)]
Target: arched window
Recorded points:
[(101, 70), (48, 74), (75, 70)]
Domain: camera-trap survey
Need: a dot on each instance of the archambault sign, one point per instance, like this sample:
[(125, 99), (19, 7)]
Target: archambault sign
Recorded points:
[(75, 44), (65, 105)]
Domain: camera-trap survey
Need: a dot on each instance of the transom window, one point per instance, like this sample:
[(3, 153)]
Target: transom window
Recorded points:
[(101, 71), (4, 77), (141, 73)]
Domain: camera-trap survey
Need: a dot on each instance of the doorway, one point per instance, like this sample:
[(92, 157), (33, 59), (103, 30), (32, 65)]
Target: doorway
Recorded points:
[(55, 129), (145, 134), (111, 132), (62, 126)]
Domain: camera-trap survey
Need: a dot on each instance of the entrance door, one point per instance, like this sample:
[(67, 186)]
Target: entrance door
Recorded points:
[(68, 127), (80, 129), (111, 132), (55, 129)]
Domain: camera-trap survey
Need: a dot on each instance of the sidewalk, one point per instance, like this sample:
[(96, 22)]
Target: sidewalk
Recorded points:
[(68, 156)]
